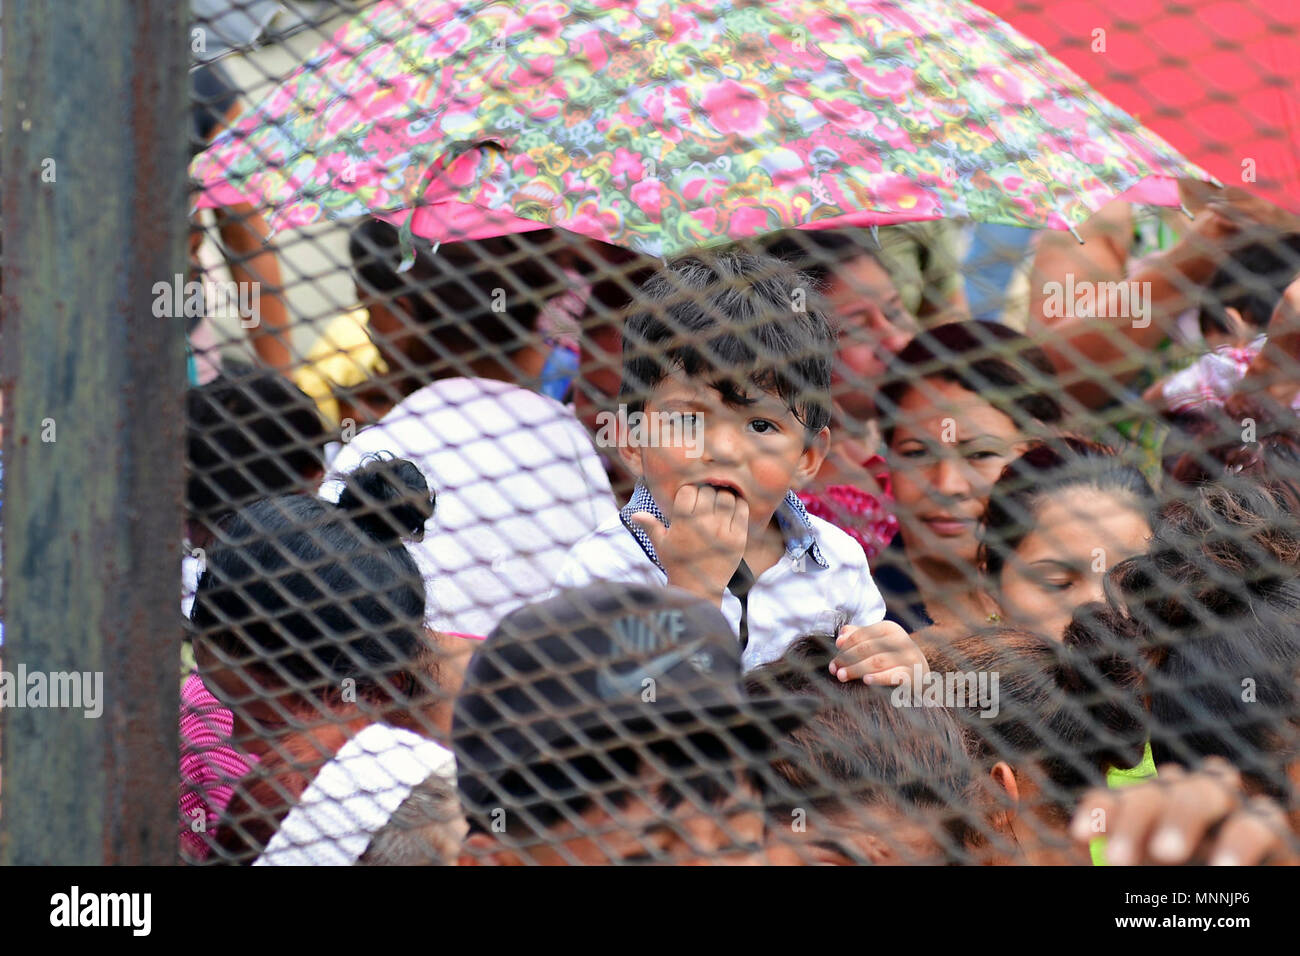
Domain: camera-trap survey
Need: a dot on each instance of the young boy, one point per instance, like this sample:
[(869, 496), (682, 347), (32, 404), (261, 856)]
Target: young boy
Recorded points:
[(727, 374)]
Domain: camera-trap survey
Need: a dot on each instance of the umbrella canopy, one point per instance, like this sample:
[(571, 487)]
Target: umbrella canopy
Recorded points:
[(661, 126), (1217, 78)]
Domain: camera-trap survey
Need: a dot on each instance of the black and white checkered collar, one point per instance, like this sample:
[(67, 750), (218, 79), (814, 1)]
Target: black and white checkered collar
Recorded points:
[(791, 517)]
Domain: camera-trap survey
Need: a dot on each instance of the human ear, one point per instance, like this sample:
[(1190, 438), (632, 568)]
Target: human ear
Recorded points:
[(1005, 778), (1003, 809), (814, 453), (629, 454)]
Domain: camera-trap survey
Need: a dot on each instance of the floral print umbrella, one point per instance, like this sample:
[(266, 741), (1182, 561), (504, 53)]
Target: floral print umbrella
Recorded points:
[(661, 125)]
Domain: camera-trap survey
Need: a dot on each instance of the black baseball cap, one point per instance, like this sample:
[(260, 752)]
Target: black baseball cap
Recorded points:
[(607, 665)]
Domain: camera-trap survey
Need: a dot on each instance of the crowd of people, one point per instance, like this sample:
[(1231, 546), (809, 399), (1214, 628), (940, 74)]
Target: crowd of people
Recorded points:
[(892, 588)]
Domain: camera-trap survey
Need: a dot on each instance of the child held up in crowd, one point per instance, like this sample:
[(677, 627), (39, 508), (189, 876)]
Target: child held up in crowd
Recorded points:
[(727, 359)]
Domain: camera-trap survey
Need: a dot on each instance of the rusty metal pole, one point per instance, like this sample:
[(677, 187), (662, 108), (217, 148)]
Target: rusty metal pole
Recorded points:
[(94, 201)]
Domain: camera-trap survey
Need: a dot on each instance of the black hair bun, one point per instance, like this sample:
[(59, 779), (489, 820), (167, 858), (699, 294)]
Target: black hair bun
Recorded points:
[(388, 499)]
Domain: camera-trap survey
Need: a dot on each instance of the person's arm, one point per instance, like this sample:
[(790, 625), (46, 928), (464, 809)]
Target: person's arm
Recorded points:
[(243, 235), (1115, 345), (1169, 283), (1275, 372)]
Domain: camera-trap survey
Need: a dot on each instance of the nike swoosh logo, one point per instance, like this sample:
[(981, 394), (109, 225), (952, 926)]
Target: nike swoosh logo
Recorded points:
[(620, 686)]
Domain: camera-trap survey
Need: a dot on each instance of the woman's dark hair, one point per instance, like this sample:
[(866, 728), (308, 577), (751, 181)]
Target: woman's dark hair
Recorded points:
[(996, 363), (1252, 281), (1218, 553), (860, 749), (452, 292), (1272, 462), (1045, 470), (1072, 708), (251, 433), (1206, 445), (732, 318), (388, 498), (1217, 600), (315, 593)]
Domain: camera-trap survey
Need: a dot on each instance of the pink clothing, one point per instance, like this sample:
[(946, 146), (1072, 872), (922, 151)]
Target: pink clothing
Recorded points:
[(209, 764), (1210, 379), (864, 517)]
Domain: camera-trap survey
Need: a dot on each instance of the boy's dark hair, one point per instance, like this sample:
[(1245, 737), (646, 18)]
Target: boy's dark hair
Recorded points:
[(988, 359), (1045, 470), (450, 292), (861, 749), (251, 433), (316, 592), (1252, 282), (733, 319)]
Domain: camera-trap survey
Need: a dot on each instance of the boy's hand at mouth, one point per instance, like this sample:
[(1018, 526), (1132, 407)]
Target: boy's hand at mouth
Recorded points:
[(705, 541), (881, 653)]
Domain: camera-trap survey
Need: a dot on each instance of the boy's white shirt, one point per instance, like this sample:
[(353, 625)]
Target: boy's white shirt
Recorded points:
[(794, 597)]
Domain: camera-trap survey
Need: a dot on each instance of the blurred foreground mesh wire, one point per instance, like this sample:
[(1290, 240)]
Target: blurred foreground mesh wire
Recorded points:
[(1071, 469)]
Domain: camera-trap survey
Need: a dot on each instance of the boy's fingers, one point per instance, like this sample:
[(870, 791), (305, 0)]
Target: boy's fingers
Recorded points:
[(892, 677), (740, 518), (651, 525), (852, 634), (860, 646), (724, 504), (686, 501), (878, 667), (855, 653)]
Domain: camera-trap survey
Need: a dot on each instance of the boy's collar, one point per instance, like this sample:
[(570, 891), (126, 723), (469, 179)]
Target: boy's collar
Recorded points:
[(791, 517)]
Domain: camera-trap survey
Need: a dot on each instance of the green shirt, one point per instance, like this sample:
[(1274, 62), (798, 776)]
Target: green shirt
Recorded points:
[(1117, 778)]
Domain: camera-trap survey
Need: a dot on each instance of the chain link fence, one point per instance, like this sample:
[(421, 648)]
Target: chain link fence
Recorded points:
[(902, 539)]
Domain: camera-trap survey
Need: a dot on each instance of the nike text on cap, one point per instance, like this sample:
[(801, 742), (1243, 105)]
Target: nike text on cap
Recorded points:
[(608, 662)]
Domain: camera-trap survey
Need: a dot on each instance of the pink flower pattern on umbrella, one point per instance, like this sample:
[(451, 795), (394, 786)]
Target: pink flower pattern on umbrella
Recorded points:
[(663, 124)]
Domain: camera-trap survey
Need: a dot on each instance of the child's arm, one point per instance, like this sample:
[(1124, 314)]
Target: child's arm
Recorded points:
[(880, 653), (705, 541)]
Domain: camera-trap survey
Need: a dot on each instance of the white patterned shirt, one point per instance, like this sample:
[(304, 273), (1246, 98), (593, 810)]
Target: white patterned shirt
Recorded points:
[(822, 579)]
